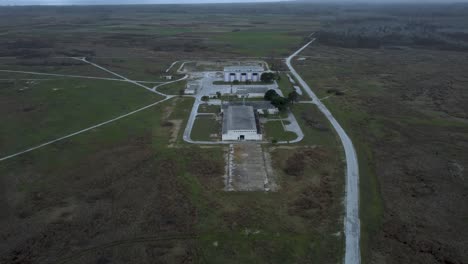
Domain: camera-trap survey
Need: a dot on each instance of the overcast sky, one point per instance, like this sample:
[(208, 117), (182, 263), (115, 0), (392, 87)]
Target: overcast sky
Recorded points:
[(88, 2)]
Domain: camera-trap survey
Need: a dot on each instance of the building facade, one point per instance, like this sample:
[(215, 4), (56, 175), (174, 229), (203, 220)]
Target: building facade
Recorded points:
[(239, 124), (243, 73)]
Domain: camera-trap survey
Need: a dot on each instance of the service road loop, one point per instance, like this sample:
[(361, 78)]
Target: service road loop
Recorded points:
[(351, 221)]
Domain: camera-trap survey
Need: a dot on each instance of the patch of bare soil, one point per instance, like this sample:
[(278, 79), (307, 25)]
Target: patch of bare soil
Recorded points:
[(175, 129), (120, 204)]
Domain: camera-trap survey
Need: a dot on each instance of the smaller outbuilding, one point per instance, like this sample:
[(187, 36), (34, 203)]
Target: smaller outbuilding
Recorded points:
[(239, 123), (191, 88)]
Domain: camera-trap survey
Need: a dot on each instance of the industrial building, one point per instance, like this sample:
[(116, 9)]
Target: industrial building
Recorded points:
[(261, 107), (243, 73), (239, 123)]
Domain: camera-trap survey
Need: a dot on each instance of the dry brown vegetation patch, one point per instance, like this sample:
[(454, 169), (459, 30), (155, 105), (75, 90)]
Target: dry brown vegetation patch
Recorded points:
[(315, 201), (296, 163), (106, 200), (312, 122), (405, 114), (207, 169)]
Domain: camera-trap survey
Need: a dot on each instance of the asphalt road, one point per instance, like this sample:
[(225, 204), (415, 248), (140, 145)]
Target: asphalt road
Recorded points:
[(351, 221)]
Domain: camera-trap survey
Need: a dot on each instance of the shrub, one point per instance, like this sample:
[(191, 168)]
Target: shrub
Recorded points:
[(270, 94)]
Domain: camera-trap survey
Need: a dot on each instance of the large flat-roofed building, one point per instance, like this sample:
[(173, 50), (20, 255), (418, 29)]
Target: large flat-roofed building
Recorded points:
[(243, 73), (239, 123), (261, 107)]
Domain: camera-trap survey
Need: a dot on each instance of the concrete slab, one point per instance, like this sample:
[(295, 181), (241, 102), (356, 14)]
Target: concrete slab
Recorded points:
[(249, 169)]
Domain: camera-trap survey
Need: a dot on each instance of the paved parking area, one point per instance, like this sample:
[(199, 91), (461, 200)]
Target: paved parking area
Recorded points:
[(249, 168)]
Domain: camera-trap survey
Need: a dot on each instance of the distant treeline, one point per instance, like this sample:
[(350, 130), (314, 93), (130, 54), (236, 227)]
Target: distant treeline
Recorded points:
[(294, 7), (427, 27)]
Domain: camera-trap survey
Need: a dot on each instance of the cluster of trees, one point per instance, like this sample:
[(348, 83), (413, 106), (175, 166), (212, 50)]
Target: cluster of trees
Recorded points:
[(268, 77), (381, 33), (280, 102)]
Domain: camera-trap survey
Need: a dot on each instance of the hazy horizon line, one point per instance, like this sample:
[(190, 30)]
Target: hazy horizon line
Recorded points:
[(201, 2)]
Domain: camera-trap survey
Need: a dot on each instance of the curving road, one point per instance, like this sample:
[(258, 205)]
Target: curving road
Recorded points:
[(351, 221)]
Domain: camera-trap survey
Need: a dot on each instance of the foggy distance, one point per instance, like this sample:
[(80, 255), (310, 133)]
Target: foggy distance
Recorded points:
[(129, 2)]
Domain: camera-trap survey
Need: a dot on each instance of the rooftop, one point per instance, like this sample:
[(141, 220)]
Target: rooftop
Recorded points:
[(252, 89), (239, 117), (254, 104), (248, 68)]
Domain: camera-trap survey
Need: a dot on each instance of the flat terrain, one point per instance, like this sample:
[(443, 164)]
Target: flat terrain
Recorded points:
[(41, 110), (406, 113), (206, 128), (274, 130), (133, 189)]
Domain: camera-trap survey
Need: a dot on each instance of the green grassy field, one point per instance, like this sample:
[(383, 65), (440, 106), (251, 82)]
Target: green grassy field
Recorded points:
[(204, 126), (51, 65), (205, 108), (274, 130), (141, 69), (315, 126), (175, 88), (44, 110), (247, 42), (225, 221), (286, 87)]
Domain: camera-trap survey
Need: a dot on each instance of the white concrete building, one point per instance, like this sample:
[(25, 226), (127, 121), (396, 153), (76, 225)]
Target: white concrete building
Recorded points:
[(191, 88), (243, 73), (239, 123)]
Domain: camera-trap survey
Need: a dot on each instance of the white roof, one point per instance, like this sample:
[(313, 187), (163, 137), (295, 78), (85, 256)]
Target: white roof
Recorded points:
[(239, 117)]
